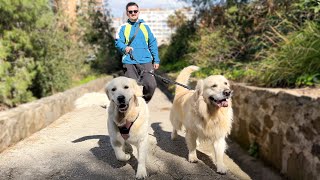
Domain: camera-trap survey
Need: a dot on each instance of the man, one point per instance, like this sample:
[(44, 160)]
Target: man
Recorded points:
[(143, 50)]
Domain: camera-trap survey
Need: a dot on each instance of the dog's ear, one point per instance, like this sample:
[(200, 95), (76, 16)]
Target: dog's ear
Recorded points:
[(136, 100), (106, 91), (199, 88), (137, 89)]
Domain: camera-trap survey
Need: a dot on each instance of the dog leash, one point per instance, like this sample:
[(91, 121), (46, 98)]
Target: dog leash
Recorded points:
[(165, 80)]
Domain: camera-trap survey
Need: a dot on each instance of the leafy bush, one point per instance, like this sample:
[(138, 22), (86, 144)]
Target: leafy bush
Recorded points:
[(99, 34), (17, 68), (209, 49), (265, 43), (296, 62), (41, 53), (172, 56)]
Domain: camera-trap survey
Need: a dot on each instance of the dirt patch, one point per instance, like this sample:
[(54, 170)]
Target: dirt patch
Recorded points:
[(3, 107)]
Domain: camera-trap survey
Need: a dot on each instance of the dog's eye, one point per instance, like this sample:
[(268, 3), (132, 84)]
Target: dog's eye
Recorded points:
[(225, 83), (126, 87), (113, 89), (213, 86)]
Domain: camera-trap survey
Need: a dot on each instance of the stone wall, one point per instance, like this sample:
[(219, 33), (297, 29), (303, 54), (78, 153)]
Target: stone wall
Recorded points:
[(285, 128), (19, 123)]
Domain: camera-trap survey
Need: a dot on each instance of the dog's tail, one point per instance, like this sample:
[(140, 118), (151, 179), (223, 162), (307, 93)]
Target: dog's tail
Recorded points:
[(184, 76)]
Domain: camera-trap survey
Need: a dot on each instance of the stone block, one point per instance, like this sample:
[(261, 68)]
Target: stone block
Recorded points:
[(275, 146), (316, 151), (291, 136), (307, 132), (316, 125), (18, 123), (278, 120), (298, 167), (255, 127), (267, 121), (242, 135)]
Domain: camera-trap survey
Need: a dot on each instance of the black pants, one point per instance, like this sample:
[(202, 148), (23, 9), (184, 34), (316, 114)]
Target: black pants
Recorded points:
[(148, 81)]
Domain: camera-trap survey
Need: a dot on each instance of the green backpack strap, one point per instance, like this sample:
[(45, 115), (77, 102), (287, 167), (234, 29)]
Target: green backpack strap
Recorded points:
[(128, 30), (135, 34)]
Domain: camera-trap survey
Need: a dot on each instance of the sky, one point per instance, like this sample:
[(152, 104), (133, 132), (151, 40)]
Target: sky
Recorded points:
[(117, 7)]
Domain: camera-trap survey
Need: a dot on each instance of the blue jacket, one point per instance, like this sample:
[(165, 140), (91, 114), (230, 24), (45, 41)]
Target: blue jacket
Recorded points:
[(145, 49)]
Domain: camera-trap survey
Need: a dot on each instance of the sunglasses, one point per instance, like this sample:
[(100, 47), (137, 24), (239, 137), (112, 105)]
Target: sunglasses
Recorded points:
[(134, 11)]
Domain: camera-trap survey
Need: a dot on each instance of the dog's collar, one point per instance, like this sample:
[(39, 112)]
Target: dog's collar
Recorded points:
[(124, 130)]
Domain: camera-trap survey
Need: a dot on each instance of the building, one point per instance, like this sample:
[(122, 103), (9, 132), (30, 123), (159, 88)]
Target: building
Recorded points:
[(157, 19), (117, 22)]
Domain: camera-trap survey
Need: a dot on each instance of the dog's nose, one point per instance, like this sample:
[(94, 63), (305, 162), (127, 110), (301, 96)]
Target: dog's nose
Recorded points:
[(121, 99), (227, 92)]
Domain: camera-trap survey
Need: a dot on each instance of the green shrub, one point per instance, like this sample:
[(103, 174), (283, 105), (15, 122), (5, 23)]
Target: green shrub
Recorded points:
[(295, 62), (38, 56), (172, 56), (17, 68), (209, 49)]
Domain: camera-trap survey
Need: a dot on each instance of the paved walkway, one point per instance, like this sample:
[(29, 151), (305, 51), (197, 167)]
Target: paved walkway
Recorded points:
[(77, 146)]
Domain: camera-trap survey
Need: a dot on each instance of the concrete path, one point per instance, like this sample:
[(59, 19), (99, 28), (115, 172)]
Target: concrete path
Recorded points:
[(77, 146)]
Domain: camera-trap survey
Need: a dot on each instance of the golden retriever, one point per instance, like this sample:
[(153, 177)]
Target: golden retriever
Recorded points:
[(205, 112), (128, 120)]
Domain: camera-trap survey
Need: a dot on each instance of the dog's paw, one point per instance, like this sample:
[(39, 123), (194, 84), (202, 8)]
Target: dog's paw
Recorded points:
[(222, 169), (126, 157), (141, 172), (174, 135), (193, 158)]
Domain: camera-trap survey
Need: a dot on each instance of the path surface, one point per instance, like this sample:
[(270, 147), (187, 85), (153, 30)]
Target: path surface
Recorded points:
[(77, 146)]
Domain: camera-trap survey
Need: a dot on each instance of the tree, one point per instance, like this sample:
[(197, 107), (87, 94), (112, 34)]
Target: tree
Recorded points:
[(176, 20), (18, 19), (99, 33)]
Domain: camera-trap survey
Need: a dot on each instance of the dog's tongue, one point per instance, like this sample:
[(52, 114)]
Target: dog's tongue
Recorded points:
[(222, 103), (123, 107), (125, 136)]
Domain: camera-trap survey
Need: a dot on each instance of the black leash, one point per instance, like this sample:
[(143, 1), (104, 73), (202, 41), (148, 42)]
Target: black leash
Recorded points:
[(165, 80)]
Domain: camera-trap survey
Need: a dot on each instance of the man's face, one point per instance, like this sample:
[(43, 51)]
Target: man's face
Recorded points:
[(133, 13)]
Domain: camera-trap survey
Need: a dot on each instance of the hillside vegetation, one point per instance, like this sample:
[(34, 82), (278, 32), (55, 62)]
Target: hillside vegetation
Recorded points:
[(43, 52), (273, 43), (266, 43)]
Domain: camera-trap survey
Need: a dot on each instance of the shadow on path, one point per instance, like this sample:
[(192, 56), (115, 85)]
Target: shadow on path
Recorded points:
[(105, 153), (177, 147)]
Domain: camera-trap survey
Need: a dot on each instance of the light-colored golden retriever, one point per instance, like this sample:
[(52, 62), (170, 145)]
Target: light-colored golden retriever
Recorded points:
[(128, 117), (205, 112)]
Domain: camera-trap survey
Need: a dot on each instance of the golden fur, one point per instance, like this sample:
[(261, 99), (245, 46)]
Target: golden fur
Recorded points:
[(205, 112), (127, 106)]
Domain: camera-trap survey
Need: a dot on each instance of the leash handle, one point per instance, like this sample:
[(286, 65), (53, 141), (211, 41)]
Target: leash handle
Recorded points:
[(131, 56)]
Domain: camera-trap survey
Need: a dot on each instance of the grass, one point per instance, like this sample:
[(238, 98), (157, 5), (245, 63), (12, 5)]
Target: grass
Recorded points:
[(294, 63), (85, 80)]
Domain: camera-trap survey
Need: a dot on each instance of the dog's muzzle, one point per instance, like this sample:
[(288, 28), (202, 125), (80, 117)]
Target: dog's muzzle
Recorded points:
[(219, 103), (122, 105), (222, 102)]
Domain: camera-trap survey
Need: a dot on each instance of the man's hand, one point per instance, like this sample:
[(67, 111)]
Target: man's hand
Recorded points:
[(156, 66), (128, 49)]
